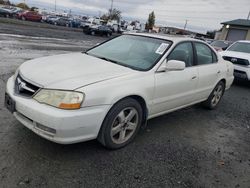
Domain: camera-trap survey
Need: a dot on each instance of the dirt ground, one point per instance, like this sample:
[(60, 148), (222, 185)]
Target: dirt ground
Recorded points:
[(193, 147)]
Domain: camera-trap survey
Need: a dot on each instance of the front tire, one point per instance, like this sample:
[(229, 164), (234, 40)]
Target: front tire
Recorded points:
[(215, 97), (121, 124)]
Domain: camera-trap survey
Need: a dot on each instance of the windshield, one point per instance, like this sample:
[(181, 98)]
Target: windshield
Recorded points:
[(136, 52), (240, 47), (221, 44)]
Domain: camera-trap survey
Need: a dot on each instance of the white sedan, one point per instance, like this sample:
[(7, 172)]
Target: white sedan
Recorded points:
[(111, 90)]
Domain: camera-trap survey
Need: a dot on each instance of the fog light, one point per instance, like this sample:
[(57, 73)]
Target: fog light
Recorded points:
[(46, 129)]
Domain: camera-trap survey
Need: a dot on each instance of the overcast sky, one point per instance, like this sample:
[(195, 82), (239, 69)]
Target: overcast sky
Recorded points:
[(202, 15)]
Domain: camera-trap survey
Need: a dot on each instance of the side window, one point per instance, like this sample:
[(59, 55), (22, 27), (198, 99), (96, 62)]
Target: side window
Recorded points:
[(183, 52), (204, 54)]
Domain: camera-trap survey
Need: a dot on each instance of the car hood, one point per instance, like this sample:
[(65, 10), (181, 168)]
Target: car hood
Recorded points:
[(70, 71), (236, 54)]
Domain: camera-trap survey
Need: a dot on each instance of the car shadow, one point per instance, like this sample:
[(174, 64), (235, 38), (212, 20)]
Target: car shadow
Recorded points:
[(242, 83)]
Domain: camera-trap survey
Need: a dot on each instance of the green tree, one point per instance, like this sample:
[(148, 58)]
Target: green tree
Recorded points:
[(151, 21), (23, 6)]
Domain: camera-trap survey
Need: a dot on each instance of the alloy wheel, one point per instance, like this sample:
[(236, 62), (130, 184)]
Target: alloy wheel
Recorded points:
[(124, 125), (218, 92)]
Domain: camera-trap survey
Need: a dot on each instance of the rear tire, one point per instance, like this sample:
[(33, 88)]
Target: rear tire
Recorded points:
[(215, 97), (92, 33), (121, 124)]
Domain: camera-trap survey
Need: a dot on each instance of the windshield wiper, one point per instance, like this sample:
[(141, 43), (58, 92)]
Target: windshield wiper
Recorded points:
[(103, 58), (110, 60), (113, 61)]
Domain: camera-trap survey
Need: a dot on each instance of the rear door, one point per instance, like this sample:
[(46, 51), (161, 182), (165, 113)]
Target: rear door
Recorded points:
[(174, 89), (209, 69)]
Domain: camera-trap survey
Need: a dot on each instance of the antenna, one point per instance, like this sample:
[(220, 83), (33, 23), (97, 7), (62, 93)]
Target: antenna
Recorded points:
[(185, 26)]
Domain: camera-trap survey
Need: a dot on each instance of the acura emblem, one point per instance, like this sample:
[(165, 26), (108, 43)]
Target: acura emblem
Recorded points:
[(22, 86)]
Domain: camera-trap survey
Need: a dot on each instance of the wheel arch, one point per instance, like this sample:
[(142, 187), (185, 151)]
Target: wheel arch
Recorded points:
[(140, 100), (223, 80)]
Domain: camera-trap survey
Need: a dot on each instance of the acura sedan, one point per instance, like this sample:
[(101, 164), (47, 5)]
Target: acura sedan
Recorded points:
[(110, 91)]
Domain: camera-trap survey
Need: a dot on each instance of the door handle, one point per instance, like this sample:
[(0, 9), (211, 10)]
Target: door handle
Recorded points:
[(218, 72), (194, 77)]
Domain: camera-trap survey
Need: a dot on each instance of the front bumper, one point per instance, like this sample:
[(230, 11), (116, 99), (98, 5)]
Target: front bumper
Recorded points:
[(61, 126), (242, 72)]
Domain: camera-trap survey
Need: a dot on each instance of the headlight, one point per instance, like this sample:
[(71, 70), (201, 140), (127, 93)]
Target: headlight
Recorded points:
[(68, 100)]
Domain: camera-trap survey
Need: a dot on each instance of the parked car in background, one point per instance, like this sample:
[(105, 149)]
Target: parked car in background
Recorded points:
[(30, 16), (98, 30), (62, 21), (14, 10), (51, 19), (76, 23), (91, 22), (6, 13), (221, 45), (111, 90), (209, 41), (239, 55)]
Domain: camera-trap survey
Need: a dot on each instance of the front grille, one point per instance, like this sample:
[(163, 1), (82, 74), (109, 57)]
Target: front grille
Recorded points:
[(24, 88), (237, 61)]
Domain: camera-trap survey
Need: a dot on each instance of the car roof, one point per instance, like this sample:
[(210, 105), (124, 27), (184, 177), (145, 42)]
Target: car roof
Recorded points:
[(174, 38)]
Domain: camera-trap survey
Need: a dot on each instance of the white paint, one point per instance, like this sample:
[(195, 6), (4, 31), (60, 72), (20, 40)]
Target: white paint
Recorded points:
[(104, 84)]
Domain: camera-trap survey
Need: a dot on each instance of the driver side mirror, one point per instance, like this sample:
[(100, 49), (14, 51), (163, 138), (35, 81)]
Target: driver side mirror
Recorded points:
[(172, 65)]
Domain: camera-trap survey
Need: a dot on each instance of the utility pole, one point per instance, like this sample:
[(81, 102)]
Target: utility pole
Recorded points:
[(55, 5), (112, 2), (248, 16), (111, 8), (185, 26)]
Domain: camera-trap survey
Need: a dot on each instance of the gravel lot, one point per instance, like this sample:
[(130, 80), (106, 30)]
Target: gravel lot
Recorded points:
[(193, 147)]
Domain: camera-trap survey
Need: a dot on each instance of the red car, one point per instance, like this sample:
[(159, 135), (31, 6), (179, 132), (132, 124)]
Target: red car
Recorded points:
[(30, 15)]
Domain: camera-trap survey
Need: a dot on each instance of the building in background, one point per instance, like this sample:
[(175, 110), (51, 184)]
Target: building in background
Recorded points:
[(236, 30)]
